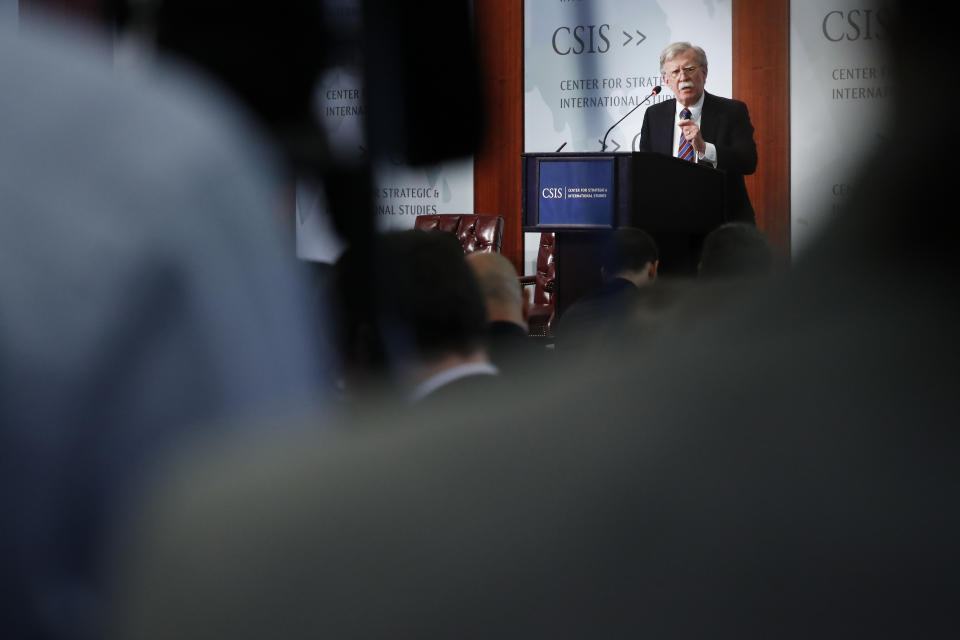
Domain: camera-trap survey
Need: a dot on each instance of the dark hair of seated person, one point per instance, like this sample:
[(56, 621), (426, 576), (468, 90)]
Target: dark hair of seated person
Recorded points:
[(628, 249), (431, 302)]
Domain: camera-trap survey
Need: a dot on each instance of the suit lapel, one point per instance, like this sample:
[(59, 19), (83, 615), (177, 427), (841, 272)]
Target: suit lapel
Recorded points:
[(664, 128), (708, 118)]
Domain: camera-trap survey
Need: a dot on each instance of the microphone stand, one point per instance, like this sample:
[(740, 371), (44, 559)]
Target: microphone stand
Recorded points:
[(603, 143)]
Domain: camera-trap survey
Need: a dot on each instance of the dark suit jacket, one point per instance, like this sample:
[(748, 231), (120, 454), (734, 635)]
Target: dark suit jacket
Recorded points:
[(726, 124), (592, 316), (511, 346)]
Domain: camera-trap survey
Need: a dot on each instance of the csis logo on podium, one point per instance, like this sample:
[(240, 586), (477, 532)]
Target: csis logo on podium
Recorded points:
[(552, 193)]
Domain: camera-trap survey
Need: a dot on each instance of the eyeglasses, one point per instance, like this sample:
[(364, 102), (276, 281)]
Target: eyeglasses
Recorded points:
[(689, 70)]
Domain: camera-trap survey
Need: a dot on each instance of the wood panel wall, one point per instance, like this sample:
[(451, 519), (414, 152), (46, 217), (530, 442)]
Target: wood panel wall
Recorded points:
[(496, 178), (761, 78)]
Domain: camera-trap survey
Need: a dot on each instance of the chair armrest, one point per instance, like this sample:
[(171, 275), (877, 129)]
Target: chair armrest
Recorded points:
[(549, 286)]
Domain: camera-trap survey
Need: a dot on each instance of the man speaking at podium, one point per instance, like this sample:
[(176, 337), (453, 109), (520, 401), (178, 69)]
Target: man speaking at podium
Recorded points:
[(701, 127)]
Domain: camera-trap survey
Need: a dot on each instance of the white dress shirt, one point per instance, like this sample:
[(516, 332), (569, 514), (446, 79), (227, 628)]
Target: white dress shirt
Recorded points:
[(696, 111), (449, 375)]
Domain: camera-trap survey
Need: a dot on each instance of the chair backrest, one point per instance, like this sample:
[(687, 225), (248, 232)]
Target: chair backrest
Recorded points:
[(476, 232), (541, 311), (543, 287)]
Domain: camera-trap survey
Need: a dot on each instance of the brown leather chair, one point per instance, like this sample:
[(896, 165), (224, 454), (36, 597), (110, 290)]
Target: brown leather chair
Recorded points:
[(476, 232), (544, 285)]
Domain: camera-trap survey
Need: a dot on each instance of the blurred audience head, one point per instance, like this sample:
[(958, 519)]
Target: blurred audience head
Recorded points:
[(735, 250), (431, 310), (500, 286)]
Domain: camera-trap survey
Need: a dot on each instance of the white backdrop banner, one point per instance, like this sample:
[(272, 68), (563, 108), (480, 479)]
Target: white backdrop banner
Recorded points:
[(839, 104), (588, 62), (400, 192)]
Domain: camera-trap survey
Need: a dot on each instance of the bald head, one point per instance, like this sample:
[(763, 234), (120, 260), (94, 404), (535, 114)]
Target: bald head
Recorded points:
[(500, 287)]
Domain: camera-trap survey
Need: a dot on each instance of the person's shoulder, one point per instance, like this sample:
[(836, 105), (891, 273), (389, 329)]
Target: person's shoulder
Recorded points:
[(723, 103), (499, 328), (589, 309), (463, 392)]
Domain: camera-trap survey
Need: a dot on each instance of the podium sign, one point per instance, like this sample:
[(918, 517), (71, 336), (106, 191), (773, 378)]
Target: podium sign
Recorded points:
[(579, 195), (574, 192), (582, 191)]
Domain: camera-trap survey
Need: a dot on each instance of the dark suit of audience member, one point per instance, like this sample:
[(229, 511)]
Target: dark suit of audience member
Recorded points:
[(719, 129), (628, 270), (508, 338), (786, 470), (505, 338), (148, 298)]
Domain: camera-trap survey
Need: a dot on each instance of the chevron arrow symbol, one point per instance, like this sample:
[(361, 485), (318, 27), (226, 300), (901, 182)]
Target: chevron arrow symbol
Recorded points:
[(640, 37)]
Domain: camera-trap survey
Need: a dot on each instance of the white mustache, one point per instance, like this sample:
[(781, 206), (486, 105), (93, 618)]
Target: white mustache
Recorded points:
[(686, 84)]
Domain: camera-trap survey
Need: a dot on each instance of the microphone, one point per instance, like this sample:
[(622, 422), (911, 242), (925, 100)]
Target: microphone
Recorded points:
[(603, 143)]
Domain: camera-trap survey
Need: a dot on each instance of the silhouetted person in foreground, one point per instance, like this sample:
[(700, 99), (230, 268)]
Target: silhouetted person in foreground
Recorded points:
[(421, 327), (628, 269), (431, 315), (148, 298), (786, 470), (508, 336)]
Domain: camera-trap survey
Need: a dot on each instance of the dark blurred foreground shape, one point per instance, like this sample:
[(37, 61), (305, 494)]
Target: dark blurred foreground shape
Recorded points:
[(147, 297), (271, 59), (787, 470)]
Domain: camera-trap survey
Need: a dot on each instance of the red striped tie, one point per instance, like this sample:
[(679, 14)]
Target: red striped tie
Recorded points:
[(686, 149)]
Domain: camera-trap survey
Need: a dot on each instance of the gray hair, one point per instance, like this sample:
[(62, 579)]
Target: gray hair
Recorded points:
[(497, 278), (676, 48)]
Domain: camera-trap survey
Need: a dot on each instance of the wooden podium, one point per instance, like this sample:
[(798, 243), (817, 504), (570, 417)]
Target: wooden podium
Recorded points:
[(581, 196)]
